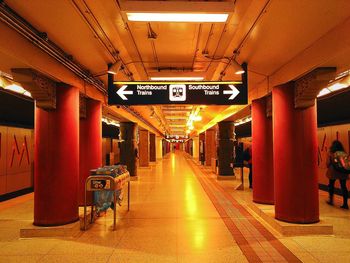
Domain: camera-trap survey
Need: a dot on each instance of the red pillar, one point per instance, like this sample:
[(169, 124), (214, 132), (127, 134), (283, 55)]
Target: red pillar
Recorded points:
[(295, 158), (90, 144), (262, 154), (56, 158)]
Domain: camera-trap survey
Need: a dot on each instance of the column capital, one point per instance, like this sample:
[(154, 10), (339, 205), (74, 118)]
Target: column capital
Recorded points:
[(42, 88), (308, 86)]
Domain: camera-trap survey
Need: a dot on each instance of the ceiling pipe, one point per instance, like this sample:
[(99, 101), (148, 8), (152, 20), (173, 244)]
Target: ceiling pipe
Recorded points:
[(197, 44), (41, 40), (236, 52), (217, 46), (152, 36), (205, 49), (126, 26), (105, 42)]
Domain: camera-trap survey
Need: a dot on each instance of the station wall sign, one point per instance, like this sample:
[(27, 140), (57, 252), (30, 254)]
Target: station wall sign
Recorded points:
[(206, 93)]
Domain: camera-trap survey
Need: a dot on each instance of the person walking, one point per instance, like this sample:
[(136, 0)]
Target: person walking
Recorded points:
[(250, 166), (247, 157), (333, 174)]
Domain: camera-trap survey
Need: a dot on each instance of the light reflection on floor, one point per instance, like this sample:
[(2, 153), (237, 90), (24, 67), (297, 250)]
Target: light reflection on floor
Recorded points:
[(171, 220)]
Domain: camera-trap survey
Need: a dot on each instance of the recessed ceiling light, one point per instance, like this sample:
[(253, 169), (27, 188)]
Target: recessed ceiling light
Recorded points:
[(197, 118), (239, 72), (237, 67), (177, 78), (177, 17)]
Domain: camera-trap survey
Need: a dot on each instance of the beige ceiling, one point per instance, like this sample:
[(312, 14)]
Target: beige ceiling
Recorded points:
[(279, 39)]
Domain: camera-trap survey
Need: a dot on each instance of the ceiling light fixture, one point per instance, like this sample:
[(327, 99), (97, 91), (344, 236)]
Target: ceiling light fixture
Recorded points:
[(197, 118), (242, 121), (237, 68), (337, 86), (177, 78), (110, 122), (177, 17), (114, 68), (323, 92), (4, 81), (18, 89), (334, 86)]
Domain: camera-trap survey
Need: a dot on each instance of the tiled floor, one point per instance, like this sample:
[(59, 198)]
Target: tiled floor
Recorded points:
[(179, 213)]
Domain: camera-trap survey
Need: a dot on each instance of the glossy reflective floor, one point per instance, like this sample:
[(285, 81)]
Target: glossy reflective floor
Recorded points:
[(179, 213)]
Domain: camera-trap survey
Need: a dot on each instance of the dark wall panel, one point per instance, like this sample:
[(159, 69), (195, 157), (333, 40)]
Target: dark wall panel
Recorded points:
[(333, 110), (110, 131), (244, 130), (16, 111)]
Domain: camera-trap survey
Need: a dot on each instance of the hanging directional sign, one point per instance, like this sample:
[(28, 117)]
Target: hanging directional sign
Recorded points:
[(208, 93)]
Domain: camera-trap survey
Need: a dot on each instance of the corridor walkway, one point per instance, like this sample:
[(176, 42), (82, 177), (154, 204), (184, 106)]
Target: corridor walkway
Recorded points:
[(178, 214)]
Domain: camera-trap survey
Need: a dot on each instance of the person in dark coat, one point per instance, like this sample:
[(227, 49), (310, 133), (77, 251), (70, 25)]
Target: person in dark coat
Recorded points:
[(247, 156), (250, 166), (333, 175)]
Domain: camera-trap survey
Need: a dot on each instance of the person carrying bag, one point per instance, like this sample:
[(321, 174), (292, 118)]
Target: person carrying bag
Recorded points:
[(338, 167)]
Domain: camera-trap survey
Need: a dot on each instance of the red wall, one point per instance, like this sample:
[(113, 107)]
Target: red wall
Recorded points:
[(16, 159)]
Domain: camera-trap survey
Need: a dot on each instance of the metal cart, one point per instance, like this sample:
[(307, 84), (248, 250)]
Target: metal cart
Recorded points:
[(106, 183)]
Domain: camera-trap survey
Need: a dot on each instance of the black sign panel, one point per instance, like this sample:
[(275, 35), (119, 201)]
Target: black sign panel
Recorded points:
[(208, 93)]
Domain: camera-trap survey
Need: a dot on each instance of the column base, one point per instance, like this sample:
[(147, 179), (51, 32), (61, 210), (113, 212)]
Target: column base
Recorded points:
[(297, 220), (225, 177), (43, 224), (264, 202)]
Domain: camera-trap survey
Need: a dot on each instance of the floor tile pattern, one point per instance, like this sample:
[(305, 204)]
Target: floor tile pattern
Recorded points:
[(177, 215), (256, 242)]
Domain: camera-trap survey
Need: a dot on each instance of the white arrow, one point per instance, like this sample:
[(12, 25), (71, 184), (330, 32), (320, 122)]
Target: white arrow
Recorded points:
[(122, 92), (233, 92)]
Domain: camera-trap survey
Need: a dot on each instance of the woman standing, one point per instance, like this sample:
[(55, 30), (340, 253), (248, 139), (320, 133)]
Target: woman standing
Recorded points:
[(333, 175)]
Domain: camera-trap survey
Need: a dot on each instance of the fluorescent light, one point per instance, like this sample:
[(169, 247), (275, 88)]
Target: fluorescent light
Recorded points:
[(239, 72), (114, 68), (177, 17), (4, 81), (337, 86), (177, 125), (110, 122), (15, 88), (242, 121), (18, 89), (323, 92), (27, 93), (177, 78), (197, 118), (332, 88), (237, 68)]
